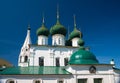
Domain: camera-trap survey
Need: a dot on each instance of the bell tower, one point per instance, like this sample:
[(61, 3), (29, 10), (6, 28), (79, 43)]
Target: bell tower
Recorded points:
[(24, 54)]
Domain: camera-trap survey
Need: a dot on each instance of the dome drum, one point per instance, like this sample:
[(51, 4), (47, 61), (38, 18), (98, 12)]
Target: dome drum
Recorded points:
[(75, 34)]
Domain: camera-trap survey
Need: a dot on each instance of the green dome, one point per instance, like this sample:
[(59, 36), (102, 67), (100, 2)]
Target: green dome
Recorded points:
[(43, 31), (83, 57), (58, 29), (75, 33), (80, 42)]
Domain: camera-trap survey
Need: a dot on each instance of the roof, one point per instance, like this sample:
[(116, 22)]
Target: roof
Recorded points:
[(34, 70), (5, 63), (58, 29), (83, 57), (43, 30), (75, 34)]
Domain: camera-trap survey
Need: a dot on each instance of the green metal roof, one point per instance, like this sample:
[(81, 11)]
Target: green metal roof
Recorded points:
[(43, 30), (58, 29), (83, 57), (36, 70)]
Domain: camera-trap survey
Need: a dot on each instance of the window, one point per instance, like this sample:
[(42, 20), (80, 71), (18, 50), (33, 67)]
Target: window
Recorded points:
[(10, 81), (26, 59), (41, 61), (82, 80), (65, 61), (20, 58), (60, 81), (37, 81), (98, 80), (42, 41), (59, 41), (57, 62), (54, 42)]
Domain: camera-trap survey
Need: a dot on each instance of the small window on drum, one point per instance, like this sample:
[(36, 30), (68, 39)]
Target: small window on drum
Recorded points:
[(59, 41)]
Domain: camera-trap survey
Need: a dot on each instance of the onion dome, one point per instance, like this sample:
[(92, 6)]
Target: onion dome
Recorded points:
[(43, 30), (81, 42), (58, 28), (83, 57), (75, 33)]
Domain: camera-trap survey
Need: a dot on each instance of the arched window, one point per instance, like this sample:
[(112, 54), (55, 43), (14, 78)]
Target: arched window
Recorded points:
[(54, 42), (41, 61), (65, 61), (26, 59), (59, 41), (57, 62), (60, 81), (36, 81), (42, 41), (10, 81)]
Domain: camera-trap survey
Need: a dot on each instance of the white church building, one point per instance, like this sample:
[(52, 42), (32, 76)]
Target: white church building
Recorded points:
[(64, 61)]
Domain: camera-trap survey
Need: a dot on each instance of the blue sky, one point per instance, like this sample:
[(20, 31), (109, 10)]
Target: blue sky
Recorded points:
[(99, 21)]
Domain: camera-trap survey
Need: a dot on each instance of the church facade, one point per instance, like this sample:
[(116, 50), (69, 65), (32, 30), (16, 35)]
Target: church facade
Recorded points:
[(65, 61)]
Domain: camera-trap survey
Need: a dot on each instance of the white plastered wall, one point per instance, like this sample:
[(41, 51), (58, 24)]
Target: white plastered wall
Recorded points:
[(32, 78), (75, 42), (49, 53), (105, 72), (42, 40)]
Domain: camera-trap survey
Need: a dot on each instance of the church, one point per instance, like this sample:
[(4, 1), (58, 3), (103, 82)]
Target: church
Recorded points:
[(64, 61)]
